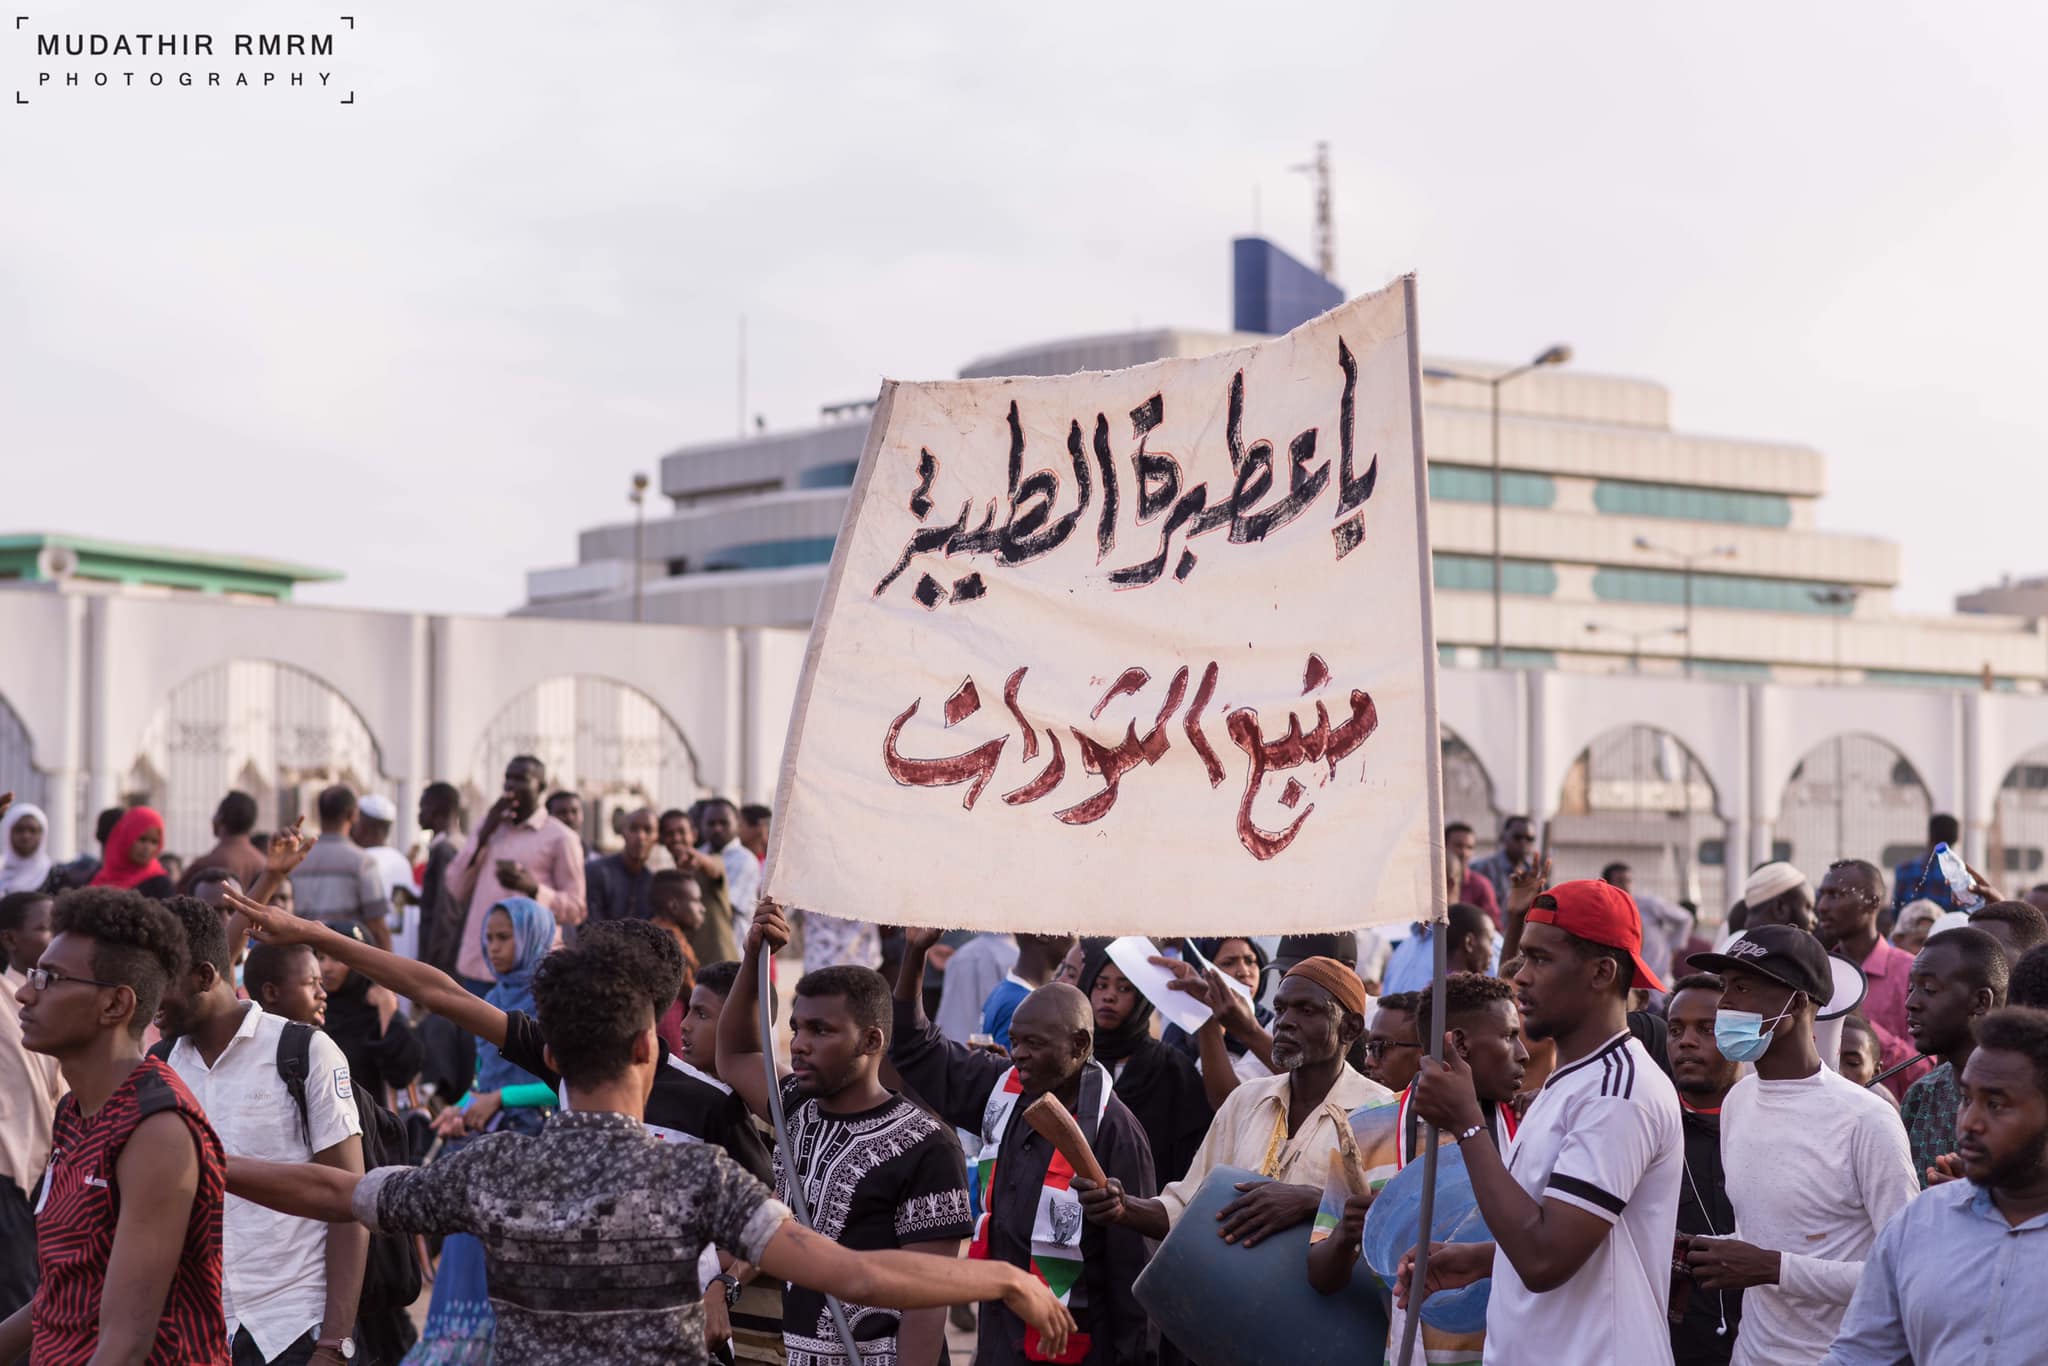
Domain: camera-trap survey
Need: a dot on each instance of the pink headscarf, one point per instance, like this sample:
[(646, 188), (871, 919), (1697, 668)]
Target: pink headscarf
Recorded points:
[(118, 870)]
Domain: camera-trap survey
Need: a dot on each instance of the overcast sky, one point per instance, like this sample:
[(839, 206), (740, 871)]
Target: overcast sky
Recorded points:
[(425, 338)]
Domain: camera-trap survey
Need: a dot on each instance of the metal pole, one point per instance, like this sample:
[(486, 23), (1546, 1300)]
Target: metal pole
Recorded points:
[(1498, 655), (797, 1204), (1427, 1214), (639, 548), (1688, 616)]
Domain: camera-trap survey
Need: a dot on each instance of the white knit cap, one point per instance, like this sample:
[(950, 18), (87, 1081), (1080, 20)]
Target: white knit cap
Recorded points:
[(1771, 881)]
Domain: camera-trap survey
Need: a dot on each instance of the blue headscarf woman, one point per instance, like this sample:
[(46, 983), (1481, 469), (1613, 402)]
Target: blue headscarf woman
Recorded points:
[(517, 934)]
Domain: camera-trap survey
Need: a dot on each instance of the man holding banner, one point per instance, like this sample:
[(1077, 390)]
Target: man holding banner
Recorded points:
[(1133, 652), (1584, 1211)]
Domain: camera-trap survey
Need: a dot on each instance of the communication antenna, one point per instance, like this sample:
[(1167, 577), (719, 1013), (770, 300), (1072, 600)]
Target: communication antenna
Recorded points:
[(1326, 239)]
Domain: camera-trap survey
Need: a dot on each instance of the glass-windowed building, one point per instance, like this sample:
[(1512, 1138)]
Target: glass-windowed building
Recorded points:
[(1611, 517)]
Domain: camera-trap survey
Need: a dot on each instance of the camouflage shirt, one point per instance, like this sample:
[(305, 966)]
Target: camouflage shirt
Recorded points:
[(591, 1233), (1929, 1111)]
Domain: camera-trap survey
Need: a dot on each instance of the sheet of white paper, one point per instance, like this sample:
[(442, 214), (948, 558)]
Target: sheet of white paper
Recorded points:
[(1132, 955)]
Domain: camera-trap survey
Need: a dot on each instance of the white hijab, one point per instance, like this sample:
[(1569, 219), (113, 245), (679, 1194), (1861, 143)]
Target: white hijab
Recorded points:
[(18, 874)]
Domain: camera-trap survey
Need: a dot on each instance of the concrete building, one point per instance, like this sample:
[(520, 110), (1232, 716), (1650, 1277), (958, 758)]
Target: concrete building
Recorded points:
[(172, 695)]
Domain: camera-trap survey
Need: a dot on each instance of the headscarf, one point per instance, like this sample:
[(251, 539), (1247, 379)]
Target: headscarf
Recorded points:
[(1157, 1084), (1113, 1045), (18, 874), (117, 869), (533, 930)]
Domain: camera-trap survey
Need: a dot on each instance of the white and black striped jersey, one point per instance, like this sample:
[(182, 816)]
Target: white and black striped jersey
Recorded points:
[(1604, 1135)]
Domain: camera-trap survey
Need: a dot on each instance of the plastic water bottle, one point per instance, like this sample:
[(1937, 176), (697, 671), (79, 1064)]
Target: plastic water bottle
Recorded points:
[(1961, 886)]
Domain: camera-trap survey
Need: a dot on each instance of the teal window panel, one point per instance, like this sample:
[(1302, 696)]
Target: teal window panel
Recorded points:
[(1627, 498), (1734, 592), (1917, 678), (773, 554), (1474, 574), (834, 476), (1471, 484)]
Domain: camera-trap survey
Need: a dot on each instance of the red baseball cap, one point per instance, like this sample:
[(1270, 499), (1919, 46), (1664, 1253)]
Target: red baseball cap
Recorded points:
[(1599, 913)]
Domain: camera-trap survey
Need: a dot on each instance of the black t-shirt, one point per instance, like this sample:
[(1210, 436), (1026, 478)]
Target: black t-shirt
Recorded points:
[(684, 1102), (885, 1178)]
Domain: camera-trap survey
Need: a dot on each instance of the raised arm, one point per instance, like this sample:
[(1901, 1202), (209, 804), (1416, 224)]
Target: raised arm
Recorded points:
[(952, 1079), (1524, 886), (912, 1280), (433, 989), (740, 1044)]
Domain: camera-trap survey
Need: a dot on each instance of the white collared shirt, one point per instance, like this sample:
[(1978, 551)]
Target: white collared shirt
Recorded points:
[(273, 1266)]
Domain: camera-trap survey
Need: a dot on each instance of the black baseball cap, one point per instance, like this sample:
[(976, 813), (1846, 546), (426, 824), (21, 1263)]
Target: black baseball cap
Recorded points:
[(1786, 954)]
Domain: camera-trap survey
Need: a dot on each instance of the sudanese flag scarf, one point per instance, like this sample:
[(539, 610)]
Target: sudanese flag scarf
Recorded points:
[(1056, 1229)]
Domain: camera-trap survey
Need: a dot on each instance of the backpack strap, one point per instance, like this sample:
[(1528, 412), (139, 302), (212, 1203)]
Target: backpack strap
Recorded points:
[(294, 1063)]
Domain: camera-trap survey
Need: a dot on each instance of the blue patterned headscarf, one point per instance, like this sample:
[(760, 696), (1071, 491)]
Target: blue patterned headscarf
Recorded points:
[(533, 929)]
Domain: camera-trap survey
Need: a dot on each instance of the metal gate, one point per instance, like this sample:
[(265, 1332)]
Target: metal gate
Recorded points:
[(276, 732), (610, 743)]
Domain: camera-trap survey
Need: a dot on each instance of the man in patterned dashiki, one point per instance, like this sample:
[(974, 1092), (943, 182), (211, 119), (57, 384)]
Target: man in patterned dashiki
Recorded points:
[(593, 1230), (876, 1171)]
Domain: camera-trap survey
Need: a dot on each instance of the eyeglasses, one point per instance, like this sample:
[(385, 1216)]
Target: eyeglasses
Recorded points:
[(1377, 1048), (42, 979)]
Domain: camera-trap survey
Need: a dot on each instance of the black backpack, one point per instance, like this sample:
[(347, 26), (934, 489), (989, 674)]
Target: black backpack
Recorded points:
[(391, 1273)]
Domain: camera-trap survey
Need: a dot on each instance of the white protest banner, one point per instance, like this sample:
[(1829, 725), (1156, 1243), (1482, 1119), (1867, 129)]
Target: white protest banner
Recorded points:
[(1147, 651)]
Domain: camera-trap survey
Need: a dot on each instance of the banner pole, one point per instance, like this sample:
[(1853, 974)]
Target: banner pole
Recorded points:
[(1440, 894)]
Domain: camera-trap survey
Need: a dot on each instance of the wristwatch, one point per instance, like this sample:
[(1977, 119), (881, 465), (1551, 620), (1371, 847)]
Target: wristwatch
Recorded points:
[(732, 1287), (345, 1346), (1472, 1132)]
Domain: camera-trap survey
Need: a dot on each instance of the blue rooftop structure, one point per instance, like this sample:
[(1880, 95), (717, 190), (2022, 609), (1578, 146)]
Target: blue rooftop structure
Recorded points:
[(1271, 292)]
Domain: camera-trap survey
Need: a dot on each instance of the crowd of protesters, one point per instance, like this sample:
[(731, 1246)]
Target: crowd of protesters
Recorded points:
[(305, 1097)]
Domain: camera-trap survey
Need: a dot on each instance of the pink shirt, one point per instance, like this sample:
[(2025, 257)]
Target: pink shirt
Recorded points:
[(542, 845), (1887, 973)]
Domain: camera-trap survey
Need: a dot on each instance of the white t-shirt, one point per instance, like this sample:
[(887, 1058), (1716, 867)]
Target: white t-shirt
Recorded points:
[(273, 1266), (1815, 1169), (1602, 1135)]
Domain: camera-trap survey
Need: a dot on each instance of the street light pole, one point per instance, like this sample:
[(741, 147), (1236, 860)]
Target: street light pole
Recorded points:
[(638, 498), (1686, 560), (1845, 597), (1635, 640), (1556, 355), (1499, 574)]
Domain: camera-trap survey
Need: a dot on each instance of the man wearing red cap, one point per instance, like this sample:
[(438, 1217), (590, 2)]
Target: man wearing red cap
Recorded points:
[(1584, 1207)]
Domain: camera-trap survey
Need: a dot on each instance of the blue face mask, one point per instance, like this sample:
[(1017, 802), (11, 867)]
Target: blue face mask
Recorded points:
[(1743, 1035)]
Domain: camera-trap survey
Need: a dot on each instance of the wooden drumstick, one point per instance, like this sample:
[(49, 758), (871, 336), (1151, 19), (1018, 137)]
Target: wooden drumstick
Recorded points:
[(1050, 1119)]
